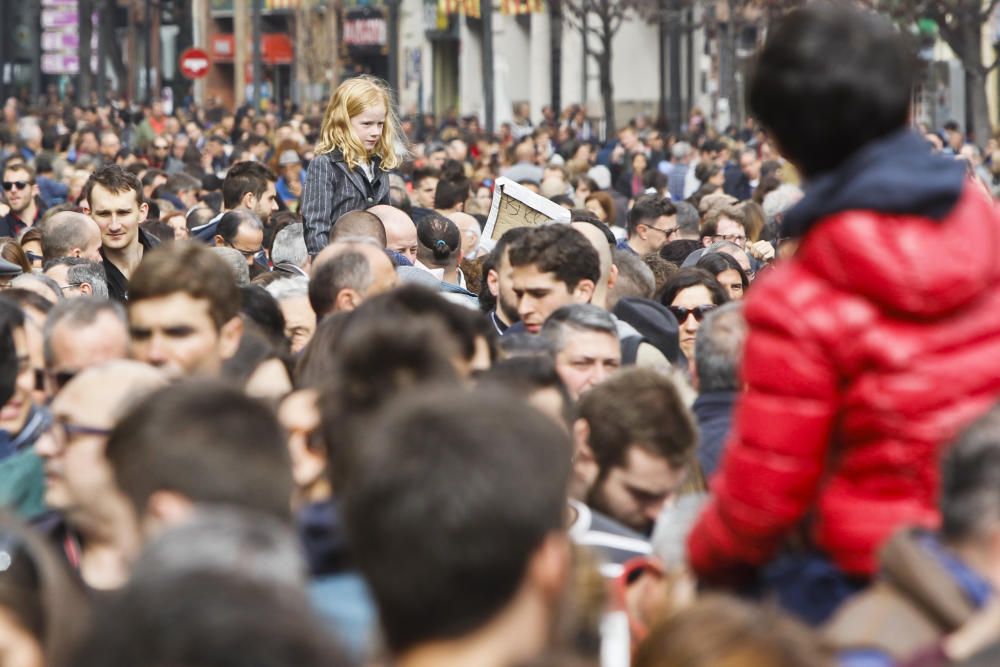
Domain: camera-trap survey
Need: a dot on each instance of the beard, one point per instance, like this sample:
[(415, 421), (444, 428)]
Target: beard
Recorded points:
[(508, 309), (597, 500)]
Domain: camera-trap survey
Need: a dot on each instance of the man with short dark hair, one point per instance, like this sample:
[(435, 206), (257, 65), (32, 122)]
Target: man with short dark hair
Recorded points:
[(359, 224), (71, 234), (552, 266), (741, 181), (688, 222), (198, 443), (250, 186), (476, 499), (113, 198), (240, 230), (652, 223), (718, 353), (634, 443), (20, 192), (425, 180), (184, 311)]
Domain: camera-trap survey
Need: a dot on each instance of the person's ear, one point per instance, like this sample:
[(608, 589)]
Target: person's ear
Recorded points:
[(549, 568), (248, 200), (86, 289), (347, 300), (706, 241), (308, 464), (642, 231), (229, 337), (219, 241), (76, 252), (584, 291), (493, 282), (612, 277), (143, 211), (165, 509)]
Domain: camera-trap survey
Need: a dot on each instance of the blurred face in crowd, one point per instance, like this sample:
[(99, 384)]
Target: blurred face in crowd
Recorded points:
[(634, 493), (19, 189), (14, 412), (540, 294), (500, 281), (586, 359), (437, 158), (110, 145), (732, 231), (118, 215), (300, 321), (732, 282), (265, 205), (78, 346), (750, 166), (484, 197), (689, 307), (595, 207), (249, 241), (423, 192), (177, 334)]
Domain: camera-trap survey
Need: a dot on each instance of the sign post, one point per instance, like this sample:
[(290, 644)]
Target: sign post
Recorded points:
[(194, 63)]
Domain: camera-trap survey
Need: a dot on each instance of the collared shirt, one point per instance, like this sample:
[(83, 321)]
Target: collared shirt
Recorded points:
[(498, 323)]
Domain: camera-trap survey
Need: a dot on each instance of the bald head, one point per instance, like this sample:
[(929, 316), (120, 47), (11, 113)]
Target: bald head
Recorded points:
[(71, 234), (471, 232), (344, 274), (359, 223), (400, 232), (608, 273)]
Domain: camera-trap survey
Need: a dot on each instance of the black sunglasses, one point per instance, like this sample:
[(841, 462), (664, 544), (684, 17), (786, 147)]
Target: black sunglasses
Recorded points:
[(699, 312), (20, 185)]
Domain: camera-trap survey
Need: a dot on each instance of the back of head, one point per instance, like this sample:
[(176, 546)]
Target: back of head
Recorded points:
[(245, 177), (190, 268), (236, 263), (452, 188), (469, 495), (206, 442), (635, 278), (359, 224), (719, 349), (65, 231), (970, 481), (439, 240), (688, 219), (719, 630), (638, 407), (558, 249), (290, 245), (207, 619), (231, 221), (346, 270), (819, 109)]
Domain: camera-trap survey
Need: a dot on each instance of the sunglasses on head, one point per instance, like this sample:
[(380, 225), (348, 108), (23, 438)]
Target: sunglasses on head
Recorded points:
[(10, 185), (699, 312)]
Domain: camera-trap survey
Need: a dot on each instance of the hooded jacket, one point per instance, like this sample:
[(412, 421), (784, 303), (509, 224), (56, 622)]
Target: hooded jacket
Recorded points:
[(867, 353)]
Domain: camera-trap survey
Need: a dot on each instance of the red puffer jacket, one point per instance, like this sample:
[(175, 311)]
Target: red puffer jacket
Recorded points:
[(867, 352)]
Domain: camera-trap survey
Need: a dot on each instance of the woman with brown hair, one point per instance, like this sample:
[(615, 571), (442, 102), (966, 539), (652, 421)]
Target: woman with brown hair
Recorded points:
[(11, 251)]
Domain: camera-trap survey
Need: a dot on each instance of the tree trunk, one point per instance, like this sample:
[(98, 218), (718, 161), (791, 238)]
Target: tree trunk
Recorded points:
[(727, 68), (607, 87), (977, 111), (85, 9)]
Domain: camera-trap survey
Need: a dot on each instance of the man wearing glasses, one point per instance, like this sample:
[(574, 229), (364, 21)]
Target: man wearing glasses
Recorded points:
[(652, 224), (240, 230), (20, 192)]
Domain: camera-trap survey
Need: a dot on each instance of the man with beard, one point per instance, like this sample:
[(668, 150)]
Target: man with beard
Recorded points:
[(499, 285), (633, 443)]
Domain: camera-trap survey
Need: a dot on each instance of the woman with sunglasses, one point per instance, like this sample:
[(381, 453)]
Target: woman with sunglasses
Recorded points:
[(690, 294), (41, 608)]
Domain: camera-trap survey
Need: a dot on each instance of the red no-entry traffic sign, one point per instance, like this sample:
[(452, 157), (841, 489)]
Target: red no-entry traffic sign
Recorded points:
[(194, 63)]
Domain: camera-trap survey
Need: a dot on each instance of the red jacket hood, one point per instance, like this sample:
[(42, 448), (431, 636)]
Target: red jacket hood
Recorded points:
[(910, 265)]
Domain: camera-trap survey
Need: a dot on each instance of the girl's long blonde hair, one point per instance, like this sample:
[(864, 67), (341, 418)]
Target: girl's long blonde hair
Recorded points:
[(351, 98)]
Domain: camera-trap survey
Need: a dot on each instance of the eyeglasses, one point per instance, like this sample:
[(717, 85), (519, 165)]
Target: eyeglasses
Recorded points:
[(699, 312), (32, 257), (63, 288), (247, 253), (65, 432), (160, 148), (20, 185), (667, 232), (738, 239)]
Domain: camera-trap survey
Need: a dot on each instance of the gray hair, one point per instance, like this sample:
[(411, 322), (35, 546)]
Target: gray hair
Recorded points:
[(718, 349), (287, 288), (719, 246), (77, 313), (38, 278), (780, 200), (290, 245), (635, 278), (223, 539), (680, 150), (81, 270), (688, 219), (577, 317), (237, 264)]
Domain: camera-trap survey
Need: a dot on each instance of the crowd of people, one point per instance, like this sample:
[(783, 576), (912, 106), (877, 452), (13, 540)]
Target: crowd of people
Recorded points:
[(273, 394)]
